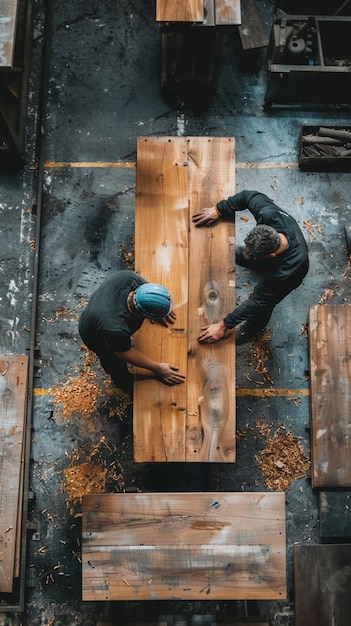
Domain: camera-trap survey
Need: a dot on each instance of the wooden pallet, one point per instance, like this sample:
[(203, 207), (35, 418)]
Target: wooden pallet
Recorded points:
[(176, 177), (13, 402), (330, 382), (185, 546), (322, 582)]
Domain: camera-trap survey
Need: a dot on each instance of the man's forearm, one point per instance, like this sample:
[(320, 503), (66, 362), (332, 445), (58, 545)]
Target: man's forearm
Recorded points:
[(134, 357)]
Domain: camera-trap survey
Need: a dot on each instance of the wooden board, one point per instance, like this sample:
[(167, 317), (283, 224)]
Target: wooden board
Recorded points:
[(179, 11), (194, 421), (210, 432), (322, 576), (8, 19), (191, 546), (251, 30), (13, 396), (228, 12), (330, 378), (335, 514)]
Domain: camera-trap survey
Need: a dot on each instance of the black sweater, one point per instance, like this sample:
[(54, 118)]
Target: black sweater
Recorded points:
[(287, 269)]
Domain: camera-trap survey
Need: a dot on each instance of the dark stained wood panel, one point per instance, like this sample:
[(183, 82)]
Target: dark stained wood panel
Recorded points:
[(210, 434), (251, 31), (330, 378), (184, 545), (8, 20), (13, 402), (179, 11), (322, 582), (335, 514)]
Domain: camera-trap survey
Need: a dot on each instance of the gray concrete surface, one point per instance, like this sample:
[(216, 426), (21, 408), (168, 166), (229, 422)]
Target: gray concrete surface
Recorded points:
[(103, 91)]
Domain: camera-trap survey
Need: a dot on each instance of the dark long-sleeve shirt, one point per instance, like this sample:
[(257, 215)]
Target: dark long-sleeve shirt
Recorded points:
[(287, 269)]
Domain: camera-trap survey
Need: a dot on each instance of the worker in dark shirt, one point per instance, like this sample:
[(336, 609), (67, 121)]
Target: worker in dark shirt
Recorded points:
[(114, 313), (275, 248)]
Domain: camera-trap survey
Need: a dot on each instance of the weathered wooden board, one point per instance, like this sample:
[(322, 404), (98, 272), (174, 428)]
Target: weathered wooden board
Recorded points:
[(8, 19), (210, 433), (228, 12), (179, 11), (322, 576), (161, 256), (195, 421), (335, 514), (184, 545), (251, 29), (330, 381), (13, 396)]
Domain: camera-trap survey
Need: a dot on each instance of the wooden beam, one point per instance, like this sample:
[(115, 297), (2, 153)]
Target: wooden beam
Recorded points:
[(13, 401), (188, 546), (330, 381), (179, 11)]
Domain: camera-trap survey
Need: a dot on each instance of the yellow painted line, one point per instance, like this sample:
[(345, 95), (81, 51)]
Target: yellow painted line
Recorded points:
[(89, 164), (269, 393), (261, 393), (115, 164)]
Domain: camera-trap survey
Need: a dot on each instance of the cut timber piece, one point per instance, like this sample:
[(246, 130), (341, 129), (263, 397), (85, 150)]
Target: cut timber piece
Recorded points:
[(251, 30), (335, 514), (210, 433), (161, 256), (330, 373), (179, 11), (8, 20), (322, 576), (13, 402), (194, 421), (228, 12), (189, 546)]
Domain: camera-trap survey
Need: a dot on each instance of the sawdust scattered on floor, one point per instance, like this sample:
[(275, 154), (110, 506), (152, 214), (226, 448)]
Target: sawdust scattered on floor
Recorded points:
[(312, 228), (283, 460), (328, 293), (260, 353), (128, 253)]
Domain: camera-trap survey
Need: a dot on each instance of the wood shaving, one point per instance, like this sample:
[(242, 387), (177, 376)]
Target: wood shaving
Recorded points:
[(282, 461), (79, 394), (328, 293), (83, 479), (129, 254), (261, 353), (312, 227), (64, 313)]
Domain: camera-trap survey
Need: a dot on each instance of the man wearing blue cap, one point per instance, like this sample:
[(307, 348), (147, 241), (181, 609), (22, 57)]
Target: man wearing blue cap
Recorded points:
[(115, 311)]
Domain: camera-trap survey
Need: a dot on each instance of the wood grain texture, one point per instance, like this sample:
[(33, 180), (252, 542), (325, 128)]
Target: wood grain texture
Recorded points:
[(196, 420), (322, 576), (8, 20), (161, 256), (211, 367), (228, 12), (179, 11), (330, 374), (13, 396), (251, 29), (184, 545)]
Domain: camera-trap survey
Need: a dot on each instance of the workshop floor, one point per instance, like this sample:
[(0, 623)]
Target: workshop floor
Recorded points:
[(103, 90)]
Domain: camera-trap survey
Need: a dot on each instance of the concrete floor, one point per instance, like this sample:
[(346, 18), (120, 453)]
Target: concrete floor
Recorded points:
[(103, 90)]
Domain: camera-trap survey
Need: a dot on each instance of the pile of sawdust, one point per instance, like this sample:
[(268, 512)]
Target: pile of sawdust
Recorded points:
[(282, 461), (261, 353), (79, 394)]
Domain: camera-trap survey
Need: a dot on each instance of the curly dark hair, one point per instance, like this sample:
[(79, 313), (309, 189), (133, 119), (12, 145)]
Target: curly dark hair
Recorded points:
[(261, 241)]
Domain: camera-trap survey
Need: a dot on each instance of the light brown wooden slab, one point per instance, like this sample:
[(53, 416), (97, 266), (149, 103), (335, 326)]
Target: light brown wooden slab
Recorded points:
[(204, 546), (161, 256), (8, 19), (228, 12), (210, 434), (179, 11), (322, 582), (330, 381), (195, 421), (13, 396)]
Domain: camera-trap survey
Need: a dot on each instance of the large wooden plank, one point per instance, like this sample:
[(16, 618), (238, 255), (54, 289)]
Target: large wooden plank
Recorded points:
[(8, 19), (13, 396), (228, 12), (161, 256), (330, 378), (179, 11), (335, 514), (184, 545), (251, 31), (322, 576), (211, 367)]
